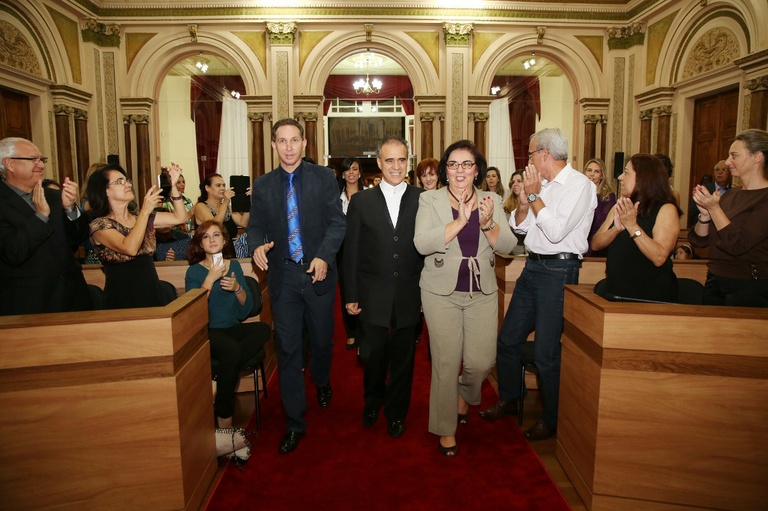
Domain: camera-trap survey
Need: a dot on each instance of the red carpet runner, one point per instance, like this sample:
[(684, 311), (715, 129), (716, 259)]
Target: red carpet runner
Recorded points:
[(339, 465)]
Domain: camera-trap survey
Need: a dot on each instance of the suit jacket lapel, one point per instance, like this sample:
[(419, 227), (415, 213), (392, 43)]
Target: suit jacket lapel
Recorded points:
[(381, 203), (13, 199), (443, 206)]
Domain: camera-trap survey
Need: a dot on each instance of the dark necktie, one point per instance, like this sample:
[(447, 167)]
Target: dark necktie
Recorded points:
[(294, 228)]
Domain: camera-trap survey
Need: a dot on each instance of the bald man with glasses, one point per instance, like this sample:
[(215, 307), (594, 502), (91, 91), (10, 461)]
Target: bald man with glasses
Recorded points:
[(39, 227)]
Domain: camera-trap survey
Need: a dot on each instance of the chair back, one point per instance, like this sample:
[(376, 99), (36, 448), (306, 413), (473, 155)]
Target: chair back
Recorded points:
[(253, 287), (168, 292), (690, 292)]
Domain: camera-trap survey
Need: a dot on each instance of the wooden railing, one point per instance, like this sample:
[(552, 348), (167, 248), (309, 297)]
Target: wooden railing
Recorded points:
[(664, 406), (107, 409)]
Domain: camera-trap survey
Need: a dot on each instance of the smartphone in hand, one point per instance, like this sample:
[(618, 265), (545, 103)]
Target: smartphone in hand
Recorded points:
[(164, 182), (217, 259)]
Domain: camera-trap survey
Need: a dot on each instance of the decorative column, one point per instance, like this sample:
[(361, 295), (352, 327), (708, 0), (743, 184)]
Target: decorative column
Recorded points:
[(281, 55), (758, 105), (603, 135), (441, 118), (646, 127), (480, 120), (310, 132), (257, 144), (143, 154), (81, 145), (663, 121), (426, 135), (128, 157), (458, 70), (64, 141), (590, 136)]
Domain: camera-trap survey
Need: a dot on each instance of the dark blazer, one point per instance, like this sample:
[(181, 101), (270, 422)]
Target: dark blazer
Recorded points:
[(381, 264), (38, 270), (322, 222)]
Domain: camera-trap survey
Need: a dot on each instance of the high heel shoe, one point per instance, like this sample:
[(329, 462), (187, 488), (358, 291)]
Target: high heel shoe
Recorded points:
[(449, 452), (351, 345), (463, 418), (234, 444)]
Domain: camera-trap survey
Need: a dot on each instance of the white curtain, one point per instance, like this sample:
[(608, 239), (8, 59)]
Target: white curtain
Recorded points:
[(233, 139), (500, 152)]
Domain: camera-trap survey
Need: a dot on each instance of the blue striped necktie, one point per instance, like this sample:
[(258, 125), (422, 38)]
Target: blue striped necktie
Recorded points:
[(294, 229)]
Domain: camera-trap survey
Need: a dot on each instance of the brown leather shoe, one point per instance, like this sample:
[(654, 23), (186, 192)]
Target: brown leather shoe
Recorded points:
[(499, 410), (539, 431)]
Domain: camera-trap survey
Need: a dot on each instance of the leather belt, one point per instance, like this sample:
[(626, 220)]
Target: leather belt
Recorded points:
[(561, 255), (302, 262)]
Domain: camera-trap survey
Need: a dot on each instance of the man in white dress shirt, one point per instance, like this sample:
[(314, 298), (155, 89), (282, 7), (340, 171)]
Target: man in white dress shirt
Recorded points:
[(555, 212)]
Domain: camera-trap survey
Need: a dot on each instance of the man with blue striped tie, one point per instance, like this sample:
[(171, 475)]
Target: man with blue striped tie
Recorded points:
[(295, 231)]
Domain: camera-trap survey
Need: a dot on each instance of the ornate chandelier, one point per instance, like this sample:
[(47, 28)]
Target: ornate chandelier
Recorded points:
[(367, 87), (366, 61)]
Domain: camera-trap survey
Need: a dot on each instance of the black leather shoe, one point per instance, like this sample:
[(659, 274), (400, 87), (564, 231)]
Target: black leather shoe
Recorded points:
[(324, 394), (370, 416), (499, 410), (396, 428), (290, 441), (539, 431)]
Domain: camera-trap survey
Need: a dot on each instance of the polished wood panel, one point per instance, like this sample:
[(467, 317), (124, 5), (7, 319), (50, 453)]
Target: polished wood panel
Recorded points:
[(663, 406), (107, 409)]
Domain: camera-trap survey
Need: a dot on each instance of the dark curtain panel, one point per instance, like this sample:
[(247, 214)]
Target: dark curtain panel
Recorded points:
[(524, 108), (205, 97), (340, 86)]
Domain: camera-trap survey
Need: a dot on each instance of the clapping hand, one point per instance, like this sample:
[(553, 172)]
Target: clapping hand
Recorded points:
[(486, 211), (705, 200), (39, 200), (626, 213)]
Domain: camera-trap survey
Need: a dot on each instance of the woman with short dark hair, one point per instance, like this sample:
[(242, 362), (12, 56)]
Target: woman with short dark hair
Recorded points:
[(458, 230)]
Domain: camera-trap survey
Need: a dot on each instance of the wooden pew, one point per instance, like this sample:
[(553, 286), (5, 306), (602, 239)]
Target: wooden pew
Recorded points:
[(107, 409), (174, 272), (664, 407)]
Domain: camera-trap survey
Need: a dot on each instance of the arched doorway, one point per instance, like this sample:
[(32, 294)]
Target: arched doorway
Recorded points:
[(540, 96), (368, 96)]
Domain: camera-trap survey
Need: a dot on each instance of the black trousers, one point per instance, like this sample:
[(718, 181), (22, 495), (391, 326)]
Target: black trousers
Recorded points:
[(388, 373), (232, 348)]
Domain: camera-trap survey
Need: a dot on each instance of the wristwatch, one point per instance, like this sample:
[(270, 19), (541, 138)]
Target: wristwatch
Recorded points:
[(636, 234), (490, 226), (532, 197)]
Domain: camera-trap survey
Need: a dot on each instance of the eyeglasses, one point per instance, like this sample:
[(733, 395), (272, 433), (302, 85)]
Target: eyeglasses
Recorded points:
[(43, 159), (466, 165), (120, 182), (530, 155)]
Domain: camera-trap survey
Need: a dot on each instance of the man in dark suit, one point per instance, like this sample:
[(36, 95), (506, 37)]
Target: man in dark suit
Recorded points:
[(295, 231), (721, 183), (38, 229), (381, 276)]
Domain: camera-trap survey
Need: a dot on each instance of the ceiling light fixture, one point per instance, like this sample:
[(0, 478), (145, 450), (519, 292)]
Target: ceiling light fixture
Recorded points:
[(530, 62), (367, 87), (201, 63)]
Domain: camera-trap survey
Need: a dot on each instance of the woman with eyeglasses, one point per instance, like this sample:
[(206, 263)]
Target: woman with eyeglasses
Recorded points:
[(458, 229), (123, 236)]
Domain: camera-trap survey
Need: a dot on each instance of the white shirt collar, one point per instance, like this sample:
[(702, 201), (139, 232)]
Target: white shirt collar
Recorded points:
[(394, 190)]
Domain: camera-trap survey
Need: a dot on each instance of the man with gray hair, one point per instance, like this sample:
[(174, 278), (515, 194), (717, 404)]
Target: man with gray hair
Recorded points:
[(39, 228), (555, 211)]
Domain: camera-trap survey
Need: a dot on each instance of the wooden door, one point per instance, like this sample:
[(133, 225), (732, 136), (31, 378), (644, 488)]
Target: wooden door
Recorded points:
[(714, 127), (14, 115)]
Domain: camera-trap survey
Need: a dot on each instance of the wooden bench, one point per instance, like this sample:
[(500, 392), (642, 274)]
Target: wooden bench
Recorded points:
[(174, 272), (664, 406), (107, 409)]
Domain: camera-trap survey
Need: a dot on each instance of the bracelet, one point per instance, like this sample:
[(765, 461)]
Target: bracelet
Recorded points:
[(239, 290), (702, 221), (177, 198), (490, 226)]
